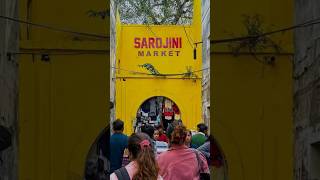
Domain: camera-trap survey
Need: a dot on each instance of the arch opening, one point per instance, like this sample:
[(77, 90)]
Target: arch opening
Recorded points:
[(157, 110)]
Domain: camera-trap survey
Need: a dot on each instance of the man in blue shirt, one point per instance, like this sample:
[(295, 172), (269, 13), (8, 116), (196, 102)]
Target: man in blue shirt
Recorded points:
[(118, 143)]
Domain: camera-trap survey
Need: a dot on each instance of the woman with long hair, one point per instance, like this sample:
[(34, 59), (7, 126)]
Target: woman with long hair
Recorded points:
[(143, 165), (181, 162)]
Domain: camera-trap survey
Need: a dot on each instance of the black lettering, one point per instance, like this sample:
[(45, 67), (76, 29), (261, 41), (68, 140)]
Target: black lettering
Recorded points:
[(163, 53), (177, 52), (148, 53), (170, 53), (140, 53), (155, 53)]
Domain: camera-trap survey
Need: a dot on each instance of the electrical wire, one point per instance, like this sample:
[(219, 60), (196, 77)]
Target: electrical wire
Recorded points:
[(175, 74), (302, 25), (102, 53), (205, 15), (57, 54), (184, 28), (55, 28)]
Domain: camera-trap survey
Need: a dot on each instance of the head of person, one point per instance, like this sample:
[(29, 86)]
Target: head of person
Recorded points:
[(148, 129), (118, 126), (178, 135), (156, 134), (171, 127), (202, 128), (160, 129), (188, 137), (140, 151)]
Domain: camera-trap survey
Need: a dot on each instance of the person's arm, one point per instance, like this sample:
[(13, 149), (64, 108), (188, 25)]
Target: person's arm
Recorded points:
[(205, 149), (113, 177), (205, 167)]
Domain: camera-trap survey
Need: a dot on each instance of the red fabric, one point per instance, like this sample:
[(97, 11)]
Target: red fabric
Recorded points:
[(168, 113), (175, 109), (163, 138)]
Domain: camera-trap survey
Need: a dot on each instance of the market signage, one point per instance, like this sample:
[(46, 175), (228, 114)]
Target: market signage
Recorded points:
[(157, 46)]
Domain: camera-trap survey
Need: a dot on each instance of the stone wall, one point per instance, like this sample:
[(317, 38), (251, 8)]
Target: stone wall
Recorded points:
[(9, 87), (206, 61), (113, 16), (307, 92)]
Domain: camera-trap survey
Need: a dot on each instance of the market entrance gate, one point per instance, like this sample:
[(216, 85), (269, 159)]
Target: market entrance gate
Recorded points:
[(159, 60)]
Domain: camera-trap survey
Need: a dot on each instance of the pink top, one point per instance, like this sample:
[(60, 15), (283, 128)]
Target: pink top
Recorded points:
[(180, 162), (132, 169)]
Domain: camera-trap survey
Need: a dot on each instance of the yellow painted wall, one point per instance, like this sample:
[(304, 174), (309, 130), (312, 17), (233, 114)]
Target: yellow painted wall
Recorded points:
[(251, 102), (63, 102), (132, 89)]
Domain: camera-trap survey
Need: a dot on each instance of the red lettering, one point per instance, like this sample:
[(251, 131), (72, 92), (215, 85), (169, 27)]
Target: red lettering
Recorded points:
[(151, 42), (175, 42), (166, 46), (158, 43), (144, 43), (137, 42)]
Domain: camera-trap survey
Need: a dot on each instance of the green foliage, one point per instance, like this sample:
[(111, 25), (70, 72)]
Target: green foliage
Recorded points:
[(189, 73), (155, 11)]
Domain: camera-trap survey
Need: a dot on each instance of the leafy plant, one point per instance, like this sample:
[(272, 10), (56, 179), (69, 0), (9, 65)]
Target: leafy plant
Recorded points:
[(101, 14), (150, 68), (256, 41)]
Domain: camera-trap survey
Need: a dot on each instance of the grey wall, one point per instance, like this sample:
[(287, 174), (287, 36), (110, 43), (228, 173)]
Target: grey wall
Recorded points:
[(206, 61), (9, 87), (306, 90)]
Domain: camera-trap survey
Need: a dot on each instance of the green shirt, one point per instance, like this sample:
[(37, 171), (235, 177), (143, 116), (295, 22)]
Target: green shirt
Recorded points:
[(197, 140)]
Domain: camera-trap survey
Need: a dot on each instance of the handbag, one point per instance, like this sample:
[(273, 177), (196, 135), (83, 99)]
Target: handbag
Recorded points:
[(203, 175)]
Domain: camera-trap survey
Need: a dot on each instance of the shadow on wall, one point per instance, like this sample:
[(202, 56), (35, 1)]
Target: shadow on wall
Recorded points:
[(97, 163), (218, 166), (5, 138)]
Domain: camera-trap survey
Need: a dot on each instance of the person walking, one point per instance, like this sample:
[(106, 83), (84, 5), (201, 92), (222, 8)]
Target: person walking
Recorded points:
[(143, 165), (200, 138), (181, 162), (205, 149), (118, 143)]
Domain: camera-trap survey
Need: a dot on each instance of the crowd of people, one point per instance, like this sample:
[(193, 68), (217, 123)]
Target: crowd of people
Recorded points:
[(154, 153)]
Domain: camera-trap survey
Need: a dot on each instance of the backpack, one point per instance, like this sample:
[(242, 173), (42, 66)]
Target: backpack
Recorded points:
[(122, 174)]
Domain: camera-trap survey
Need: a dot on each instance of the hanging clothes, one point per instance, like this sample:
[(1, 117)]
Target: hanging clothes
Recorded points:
[(168, 111), (176, 112), (153, 106), (145, 107)]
